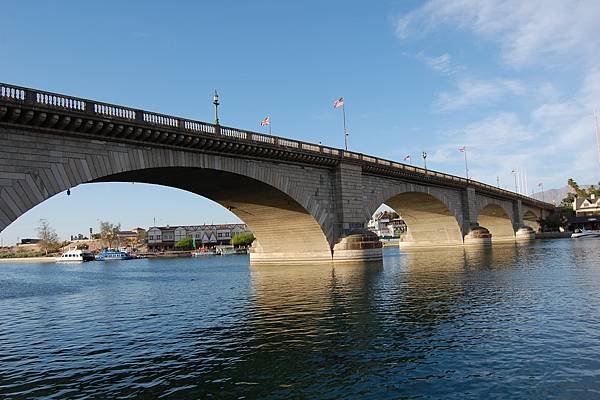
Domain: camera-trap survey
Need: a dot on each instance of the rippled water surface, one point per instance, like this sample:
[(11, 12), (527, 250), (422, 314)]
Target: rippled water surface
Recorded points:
[(507, 322)]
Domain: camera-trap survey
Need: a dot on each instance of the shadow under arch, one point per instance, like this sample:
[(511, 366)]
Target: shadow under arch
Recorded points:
[(531, 219), (429, 221), (497, 221), (283, 228)]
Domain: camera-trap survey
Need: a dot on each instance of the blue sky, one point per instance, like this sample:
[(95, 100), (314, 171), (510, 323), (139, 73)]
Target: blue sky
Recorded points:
[(516, 82)]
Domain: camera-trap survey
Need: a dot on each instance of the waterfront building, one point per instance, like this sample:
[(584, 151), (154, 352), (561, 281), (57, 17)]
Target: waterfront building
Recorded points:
[(165, 237), (29, 241), (133, 235), (387, 225), (587, 213)]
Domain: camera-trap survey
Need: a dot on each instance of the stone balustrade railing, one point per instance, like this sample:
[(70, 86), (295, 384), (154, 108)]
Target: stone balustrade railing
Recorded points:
[(73, 104)]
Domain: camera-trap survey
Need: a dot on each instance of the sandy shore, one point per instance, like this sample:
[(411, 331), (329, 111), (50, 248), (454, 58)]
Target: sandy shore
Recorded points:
[(27, 260)]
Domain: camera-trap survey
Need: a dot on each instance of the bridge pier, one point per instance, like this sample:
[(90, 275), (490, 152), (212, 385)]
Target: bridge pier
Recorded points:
[(524, 234), (360, 245), (478, 236)]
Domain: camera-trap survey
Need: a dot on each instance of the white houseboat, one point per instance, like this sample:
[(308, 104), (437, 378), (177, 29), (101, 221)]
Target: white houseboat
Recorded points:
[(75, 255)]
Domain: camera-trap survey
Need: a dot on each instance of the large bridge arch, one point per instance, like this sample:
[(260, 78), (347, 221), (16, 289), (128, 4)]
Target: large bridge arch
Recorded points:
[(287, 211), (497, 220), (433, 216)]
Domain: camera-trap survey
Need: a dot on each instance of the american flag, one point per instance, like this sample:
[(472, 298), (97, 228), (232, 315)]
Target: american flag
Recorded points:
[(407, 158), (461, 149), (266, 121), (338, 103)]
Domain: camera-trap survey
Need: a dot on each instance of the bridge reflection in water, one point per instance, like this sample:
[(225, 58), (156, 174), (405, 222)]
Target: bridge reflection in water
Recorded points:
[(355, 321), (461, 323)]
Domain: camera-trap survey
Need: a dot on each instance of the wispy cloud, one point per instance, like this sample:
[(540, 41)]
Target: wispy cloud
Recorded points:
[(471, 92), (548, 128), (442, 63), (526, 31), (554, 140)]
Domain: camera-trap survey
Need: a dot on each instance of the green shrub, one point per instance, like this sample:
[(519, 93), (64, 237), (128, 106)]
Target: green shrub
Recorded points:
[(242, 239), (184, 244)]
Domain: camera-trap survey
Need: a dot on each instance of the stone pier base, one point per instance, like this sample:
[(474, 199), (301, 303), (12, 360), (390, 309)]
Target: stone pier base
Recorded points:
[(478, 236), (360, 246), (524, 234)]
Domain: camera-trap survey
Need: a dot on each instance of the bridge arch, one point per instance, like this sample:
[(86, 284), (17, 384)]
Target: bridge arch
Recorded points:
[(531, 218), (497, 220), (285, 211), (433, 216)]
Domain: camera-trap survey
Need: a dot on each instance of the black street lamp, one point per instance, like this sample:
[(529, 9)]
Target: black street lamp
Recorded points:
[(216, 103), (424, 155)]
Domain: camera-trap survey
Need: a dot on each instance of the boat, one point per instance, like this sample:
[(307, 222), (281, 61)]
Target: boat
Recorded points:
[(225, 250), (584, 233), (75, 255), (203, 251), (113, 255)]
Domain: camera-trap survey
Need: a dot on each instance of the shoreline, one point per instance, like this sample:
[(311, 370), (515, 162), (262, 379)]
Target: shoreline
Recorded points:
[(27, 260)]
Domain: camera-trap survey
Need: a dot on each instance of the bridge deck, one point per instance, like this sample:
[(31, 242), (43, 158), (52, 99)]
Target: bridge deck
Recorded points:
[(21, 105)]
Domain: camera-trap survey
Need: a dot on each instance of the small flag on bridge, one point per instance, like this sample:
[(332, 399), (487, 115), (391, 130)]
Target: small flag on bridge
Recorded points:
[(461, 149), (407, 158), (266, 121), (338, 103)]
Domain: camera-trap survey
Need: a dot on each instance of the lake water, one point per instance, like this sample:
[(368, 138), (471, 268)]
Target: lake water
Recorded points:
[(506, 322)]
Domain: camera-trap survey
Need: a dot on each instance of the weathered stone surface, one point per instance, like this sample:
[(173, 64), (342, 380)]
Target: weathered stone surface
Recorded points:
[(304, 202)]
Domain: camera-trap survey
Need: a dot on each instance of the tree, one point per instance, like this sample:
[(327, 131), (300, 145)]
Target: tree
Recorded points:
[(558, 219), (48, 237), (108, 232), (142, 236), (184, 244), (242, 239)]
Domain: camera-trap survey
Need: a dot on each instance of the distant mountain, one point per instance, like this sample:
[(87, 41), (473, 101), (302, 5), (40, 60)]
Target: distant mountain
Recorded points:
[(555, 195)]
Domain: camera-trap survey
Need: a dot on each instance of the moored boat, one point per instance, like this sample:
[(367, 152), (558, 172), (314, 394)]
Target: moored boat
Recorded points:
[(201, 252), (584, 233), (224, 250), (75, 255), (113, 255)]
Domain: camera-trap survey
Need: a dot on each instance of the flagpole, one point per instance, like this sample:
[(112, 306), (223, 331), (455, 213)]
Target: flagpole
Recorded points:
[(269, 125), (597, 134), (466, 164), (345, 131)]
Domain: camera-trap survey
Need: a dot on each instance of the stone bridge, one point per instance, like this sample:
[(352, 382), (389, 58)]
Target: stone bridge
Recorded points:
[(304, 202)]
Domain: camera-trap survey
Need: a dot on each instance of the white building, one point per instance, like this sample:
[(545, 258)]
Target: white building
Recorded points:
[(387, 224), (165, 237)]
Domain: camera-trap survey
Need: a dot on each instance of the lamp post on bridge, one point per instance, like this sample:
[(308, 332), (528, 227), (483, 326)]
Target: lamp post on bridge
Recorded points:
[(216, 103), (424, 155)]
